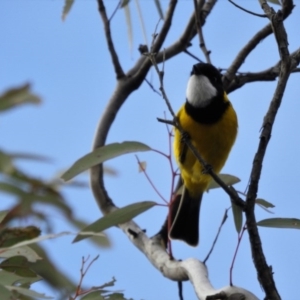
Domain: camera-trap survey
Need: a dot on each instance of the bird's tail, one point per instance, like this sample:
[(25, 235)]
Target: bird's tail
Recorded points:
[(184, 214)]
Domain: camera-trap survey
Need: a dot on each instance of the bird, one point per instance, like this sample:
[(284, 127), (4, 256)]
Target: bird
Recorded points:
[(209, 120)]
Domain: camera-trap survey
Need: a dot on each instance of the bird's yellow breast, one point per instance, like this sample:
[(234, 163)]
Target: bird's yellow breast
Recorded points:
[(213, 141)]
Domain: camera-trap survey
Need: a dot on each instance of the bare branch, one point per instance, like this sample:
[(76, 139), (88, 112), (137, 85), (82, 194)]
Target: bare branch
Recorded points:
[(217, 235), (265, 274), (248, 11), (198, 23), (269, 74), (115, 59), (246, 50)]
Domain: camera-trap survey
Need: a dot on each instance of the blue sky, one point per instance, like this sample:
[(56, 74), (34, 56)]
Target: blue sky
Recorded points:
[(69, 66)]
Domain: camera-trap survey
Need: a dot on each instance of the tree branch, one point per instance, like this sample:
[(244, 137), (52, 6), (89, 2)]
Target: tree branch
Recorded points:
[(198, 23), (265, 274), (115, 59), (256, 39), (269, 74)]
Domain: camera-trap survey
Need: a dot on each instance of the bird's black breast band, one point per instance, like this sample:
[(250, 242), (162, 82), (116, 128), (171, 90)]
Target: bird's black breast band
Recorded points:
[(210, 114)]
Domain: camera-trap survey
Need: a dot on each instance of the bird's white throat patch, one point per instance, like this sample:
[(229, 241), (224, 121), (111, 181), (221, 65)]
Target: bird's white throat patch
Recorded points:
[(200, 91)]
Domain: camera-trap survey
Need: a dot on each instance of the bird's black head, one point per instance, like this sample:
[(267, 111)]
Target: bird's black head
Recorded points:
[(211, 72)]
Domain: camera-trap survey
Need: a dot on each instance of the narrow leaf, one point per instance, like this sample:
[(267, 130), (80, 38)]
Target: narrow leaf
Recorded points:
[(6, 163), (116, 217), (3, 214), (29, 156), (141, 21), (5, 293), (129, 26), (8, 278), (291, 223), (25, 251), (29, 293), (125, 3), (238, 217), (264, 203), (102, 154), (67, 7), (17, 96), (226, 178)]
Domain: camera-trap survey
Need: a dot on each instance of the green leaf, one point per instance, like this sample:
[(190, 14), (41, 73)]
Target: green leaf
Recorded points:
[(291, 223), (95, 295), (238, 217), (125, 3), (226, 178), (102, 154), (67, 7), (17, 265), (12, 236), (17, 96), (29, 156), (141, 21), (3, 214), (6, 163), (129, 26), (264, 203), (29, 293), (25, 251), (102, 241), (8, 278), (116, 217), (5, 293)]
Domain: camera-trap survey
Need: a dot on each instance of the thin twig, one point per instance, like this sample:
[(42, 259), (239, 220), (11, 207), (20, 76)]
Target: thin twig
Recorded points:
[(169, 122), (200, 33), (235, 254), (152, 87), (248, 11), (114, 56), (250, 46), (116, 9), (217, 236), (192, 55), (149, 180)]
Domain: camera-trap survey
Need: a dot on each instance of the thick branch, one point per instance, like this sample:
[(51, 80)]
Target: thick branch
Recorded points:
[(189, 269)]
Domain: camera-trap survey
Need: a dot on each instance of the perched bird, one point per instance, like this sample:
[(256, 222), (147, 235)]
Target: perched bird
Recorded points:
[(210, 121)]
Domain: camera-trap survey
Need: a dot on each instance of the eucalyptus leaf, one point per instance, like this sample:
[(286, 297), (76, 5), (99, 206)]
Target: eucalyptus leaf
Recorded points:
[(226, 178), (116, 217), (102, 154), (67, 8), (290, 223), (4, 292), (3, 214), (17, 96), (264, 203), (29, 293), (238, 217)]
